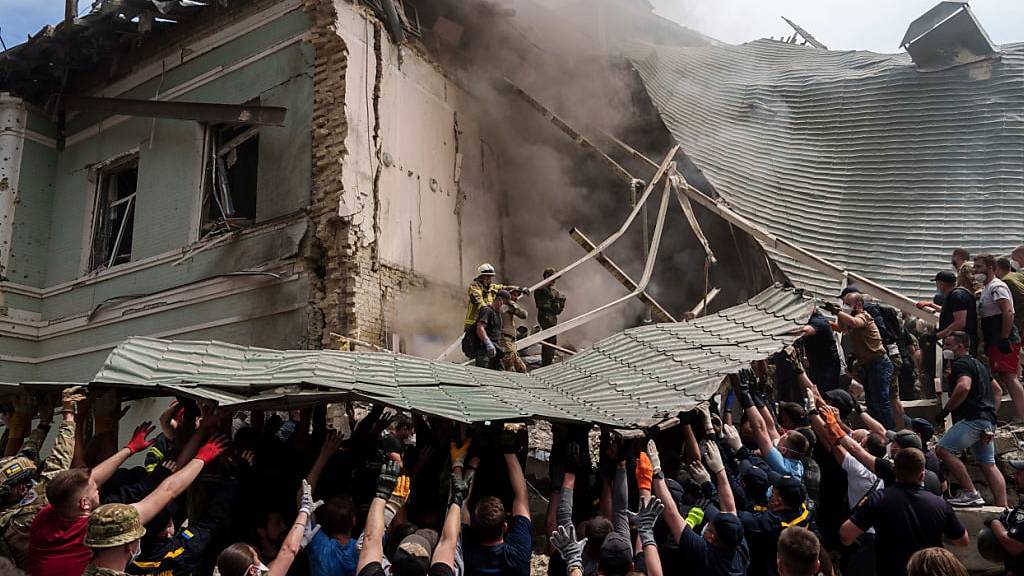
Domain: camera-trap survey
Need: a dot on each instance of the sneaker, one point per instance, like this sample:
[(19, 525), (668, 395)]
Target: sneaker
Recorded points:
[(967, 500)]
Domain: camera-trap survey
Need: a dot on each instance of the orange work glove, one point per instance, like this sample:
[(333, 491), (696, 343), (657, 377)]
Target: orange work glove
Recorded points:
[(644, 472)]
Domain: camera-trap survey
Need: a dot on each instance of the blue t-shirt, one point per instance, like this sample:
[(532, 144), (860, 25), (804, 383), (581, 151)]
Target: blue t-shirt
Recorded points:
[(328, 557), (783, 465), (510, 558)]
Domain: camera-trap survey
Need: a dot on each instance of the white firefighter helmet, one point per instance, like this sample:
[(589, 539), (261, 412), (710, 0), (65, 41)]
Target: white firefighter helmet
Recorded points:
[(485, 269)]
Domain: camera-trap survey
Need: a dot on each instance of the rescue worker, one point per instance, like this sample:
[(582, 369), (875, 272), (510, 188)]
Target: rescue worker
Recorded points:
[(787, 507), (488, 332), (481, 292), (510, 360), (1008, 527), (963, 267), (114, 534), (23, 488), (550, 303)]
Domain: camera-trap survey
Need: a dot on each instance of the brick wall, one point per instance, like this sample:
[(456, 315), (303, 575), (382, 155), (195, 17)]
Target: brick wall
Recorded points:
[(351, 294)]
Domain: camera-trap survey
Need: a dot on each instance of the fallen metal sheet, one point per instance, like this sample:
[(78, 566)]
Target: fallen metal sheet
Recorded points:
[(632, 379)]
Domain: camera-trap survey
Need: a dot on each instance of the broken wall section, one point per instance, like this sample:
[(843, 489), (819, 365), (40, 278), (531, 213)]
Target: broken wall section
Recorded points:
[(403, 192)]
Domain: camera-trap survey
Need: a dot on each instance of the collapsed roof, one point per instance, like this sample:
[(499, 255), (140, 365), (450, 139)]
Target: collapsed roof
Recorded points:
[(855, 156), (634, 378)]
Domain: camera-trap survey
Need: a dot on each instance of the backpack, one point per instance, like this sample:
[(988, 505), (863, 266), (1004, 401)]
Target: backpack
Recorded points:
[(470, 343)]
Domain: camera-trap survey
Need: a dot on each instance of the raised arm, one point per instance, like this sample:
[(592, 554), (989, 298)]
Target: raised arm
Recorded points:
[(673, 519), (178, 482), (713, 459), (62, 454), (373, 533), (520, 497), (138, 443), (444, 552), (620, 501), (330, 447), (644, 519), (292, 544)]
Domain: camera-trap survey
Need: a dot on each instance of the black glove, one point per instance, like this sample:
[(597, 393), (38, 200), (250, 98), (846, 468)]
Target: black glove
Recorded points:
[(831, 307), (458, 491), (742, 388), (573, 459), (940, 418), (988, 522), (388, 479), (1004, 345), (509, 442)]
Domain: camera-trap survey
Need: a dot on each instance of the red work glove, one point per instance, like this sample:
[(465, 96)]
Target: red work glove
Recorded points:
[(644, 472), (138, 443), (213, 448)]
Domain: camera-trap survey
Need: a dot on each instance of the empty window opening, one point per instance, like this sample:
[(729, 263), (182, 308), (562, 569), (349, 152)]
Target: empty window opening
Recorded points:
[(114, 217), (229, 190)]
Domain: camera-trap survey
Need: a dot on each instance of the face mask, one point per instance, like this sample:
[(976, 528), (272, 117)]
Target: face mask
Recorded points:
[(136, 552), (947, 354), (846, 308), (260, 569), (505, 309), (980, 277)]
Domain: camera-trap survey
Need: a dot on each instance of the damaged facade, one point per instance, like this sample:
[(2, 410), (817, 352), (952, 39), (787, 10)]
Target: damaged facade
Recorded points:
[(273, 235)]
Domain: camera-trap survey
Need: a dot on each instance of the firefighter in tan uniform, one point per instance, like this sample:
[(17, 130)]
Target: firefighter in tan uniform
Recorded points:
[(510, 360), (23, 488), (481, 292)]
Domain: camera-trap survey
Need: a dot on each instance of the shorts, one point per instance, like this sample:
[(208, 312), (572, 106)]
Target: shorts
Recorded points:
[(967, 433), (1002, 363)]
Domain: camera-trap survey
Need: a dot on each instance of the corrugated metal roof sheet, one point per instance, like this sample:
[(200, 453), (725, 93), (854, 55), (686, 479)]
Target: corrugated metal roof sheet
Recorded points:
[(855, 156), (632, 378)]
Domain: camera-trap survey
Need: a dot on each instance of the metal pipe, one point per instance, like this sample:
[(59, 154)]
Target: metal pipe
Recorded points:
[(684, 203), (622, 277), (699, 308), (659, 228)]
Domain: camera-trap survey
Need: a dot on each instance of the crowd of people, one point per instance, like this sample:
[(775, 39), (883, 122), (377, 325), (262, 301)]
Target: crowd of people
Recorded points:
[(783, 472)]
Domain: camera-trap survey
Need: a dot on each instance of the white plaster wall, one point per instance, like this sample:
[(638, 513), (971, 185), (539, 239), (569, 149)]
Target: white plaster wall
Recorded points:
[(419, 229), (13, 116)]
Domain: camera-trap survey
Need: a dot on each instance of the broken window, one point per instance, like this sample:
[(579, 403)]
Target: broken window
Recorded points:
[(114, 216), (229, 189)]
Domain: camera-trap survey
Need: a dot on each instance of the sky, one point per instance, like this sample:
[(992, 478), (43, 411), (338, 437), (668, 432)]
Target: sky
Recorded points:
[(876, 25)]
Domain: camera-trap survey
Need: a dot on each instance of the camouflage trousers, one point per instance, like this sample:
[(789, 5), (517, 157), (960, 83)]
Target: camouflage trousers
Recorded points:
[(510, 361)]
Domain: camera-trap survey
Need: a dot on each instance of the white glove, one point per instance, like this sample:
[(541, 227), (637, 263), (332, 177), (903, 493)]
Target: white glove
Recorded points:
[(652, 455), (731, 437), (712, 457), (491, 350)]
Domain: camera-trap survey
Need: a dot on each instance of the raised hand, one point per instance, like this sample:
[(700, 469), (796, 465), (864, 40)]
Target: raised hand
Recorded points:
[(645, 519), (138, 443), (564, 540), (712, 457), (388, 479), (212, 449)]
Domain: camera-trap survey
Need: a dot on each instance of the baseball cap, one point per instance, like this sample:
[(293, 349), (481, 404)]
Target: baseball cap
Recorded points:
[(923, 427), (789, 488), (945, 276), (1016, 464), (849, 290), (729, 529), (616, 555), (755, 480), (503, 294), (841, 400), (412, 558), (904, 438)]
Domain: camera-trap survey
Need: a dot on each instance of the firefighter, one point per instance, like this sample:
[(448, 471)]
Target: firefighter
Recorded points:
[(510, 360), (481, 292)]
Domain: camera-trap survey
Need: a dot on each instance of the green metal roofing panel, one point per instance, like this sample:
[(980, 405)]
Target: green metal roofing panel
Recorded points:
[(633, 378)]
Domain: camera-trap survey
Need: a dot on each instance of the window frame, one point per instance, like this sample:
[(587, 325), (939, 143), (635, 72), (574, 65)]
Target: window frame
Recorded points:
[(212, 165), (98, 177)]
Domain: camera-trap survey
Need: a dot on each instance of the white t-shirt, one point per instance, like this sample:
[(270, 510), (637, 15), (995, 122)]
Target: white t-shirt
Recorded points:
[(990, 295), (858, 481)]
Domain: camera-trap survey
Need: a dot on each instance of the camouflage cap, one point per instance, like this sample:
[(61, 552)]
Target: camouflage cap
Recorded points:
[(16, 469), (112, 525)]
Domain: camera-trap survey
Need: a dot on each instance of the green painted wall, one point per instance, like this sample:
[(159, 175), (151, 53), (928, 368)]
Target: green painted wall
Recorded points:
[(54, 222), (32, 215)]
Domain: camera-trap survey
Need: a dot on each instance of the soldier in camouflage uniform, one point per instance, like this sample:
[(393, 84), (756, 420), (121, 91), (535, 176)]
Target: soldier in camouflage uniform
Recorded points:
[(114, 534), (23, 488), (550, 303), (481, 292), (510, 360)]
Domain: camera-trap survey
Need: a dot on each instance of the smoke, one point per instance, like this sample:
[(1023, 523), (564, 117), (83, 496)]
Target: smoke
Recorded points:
[(563, 54)]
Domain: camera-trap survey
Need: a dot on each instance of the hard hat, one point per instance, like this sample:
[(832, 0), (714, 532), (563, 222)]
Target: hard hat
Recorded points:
[(112, 525), (485, 269), (989, 547), (14, 470)]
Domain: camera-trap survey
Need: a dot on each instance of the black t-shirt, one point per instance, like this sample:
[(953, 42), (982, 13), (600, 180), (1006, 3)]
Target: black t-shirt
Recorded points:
[(821, 347), (391, 444), (906, 519), (885, 470), (510, 558), (980, 401), (762, 531), (961, 299), (705, 559), (492, 323)]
